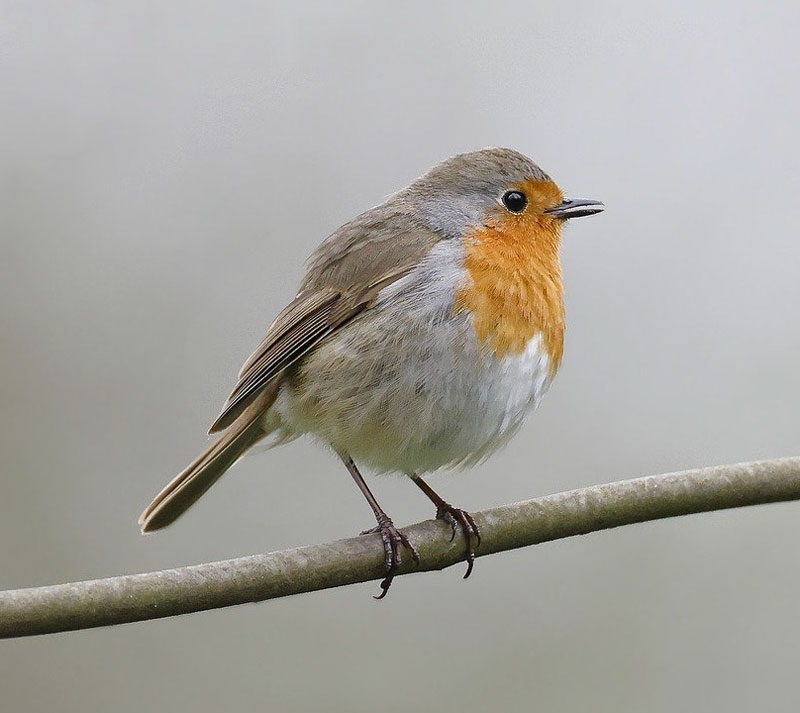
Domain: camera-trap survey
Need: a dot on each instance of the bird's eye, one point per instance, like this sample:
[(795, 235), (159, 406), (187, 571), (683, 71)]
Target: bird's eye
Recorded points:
[(515, 201)]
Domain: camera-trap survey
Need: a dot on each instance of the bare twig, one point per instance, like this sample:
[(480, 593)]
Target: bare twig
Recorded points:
[(117, 600)]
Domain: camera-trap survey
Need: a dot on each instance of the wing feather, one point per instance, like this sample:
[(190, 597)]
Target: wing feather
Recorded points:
[(345, 276), (304, 304), (310, 318), (285, 342)]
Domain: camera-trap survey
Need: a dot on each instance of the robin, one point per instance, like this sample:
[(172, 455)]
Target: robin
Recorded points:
[(423, 333)]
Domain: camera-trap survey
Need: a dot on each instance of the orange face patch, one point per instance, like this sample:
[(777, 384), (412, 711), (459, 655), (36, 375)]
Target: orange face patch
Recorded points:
[(516, 290)]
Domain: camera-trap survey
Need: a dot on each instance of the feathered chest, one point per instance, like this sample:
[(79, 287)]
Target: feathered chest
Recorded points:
[(515, 291)]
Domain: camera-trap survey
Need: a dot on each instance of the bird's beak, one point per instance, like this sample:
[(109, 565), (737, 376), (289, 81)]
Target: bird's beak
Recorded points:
[(575, 208)]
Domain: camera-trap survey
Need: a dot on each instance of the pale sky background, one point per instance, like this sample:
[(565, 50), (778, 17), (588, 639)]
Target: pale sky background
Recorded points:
[(165, 168)]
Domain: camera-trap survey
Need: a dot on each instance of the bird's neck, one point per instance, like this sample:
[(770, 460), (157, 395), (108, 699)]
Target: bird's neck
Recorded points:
[(516, 291)]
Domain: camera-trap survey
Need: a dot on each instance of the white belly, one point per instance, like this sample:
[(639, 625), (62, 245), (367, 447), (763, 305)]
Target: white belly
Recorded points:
[(406, 387)]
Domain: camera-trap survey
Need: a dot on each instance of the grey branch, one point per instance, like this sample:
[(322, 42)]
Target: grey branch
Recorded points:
[(137, 597)]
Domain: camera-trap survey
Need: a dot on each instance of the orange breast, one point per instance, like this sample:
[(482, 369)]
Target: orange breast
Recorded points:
[(516, 289)]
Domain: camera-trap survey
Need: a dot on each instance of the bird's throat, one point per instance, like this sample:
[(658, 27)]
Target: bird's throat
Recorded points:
[(515, 290)]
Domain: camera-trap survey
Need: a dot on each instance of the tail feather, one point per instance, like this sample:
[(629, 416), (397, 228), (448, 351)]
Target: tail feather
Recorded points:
[(185, 489)]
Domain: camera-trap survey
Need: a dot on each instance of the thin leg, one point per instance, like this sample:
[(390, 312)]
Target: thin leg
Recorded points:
[(393, 539), (452, 515)]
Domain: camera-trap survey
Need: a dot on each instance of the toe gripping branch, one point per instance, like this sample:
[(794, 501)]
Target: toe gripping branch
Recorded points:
[(452, 516), (393, 542)]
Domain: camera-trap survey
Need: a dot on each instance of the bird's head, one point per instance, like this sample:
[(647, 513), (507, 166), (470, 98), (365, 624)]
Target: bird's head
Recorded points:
[(495, 188)]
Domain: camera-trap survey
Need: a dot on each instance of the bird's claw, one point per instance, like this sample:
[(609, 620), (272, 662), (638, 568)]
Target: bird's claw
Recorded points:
[(393, 542), (456, 516)]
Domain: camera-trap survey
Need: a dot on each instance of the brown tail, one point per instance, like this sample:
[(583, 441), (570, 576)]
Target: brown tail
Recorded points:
[(184, 490)]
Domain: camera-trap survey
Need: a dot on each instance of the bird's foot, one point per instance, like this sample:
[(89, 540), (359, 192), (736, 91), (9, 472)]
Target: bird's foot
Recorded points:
[(393, 542), (456, 516)]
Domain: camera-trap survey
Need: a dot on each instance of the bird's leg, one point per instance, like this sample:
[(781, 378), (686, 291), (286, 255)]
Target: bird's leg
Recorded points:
[(393, 539), (452, 516)]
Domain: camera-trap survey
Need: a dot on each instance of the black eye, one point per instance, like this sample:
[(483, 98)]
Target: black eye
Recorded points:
[(515, 201)]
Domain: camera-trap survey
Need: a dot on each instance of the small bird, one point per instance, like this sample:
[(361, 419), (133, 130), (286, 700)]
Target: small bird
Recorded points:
[(424, 331)]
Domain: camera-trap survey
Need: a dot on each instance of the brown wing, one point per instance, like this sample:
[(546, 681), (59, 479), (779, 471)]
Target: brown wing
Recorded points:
[(307, 320), (345, 275)]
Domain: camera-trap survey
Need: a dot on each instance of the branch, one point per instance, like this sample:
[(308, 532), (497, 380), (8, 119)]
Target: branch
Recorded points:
[(137, 597)]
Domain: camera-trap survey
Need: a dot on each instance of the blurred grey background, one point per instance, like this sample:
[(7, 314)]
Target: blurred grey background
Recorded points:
[(165, 168)]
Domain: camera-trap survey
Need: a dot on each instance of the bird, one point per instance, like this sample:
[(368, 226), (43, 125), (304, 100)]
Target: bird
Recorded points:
[(423, 333)]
